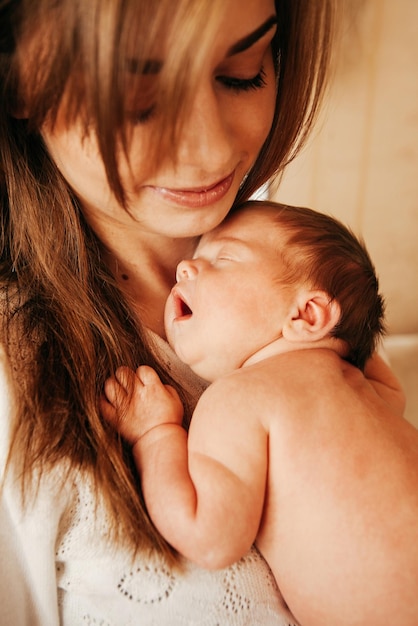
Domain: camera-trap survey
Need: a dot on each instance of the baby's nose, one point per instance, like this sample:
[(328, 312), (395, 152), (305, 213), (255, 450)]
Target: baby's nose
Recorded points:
[(186, 269)]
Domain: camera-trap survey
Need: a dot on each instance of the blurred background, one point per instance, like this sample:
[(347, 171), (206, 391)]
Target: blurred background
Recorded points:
[(361, 163)]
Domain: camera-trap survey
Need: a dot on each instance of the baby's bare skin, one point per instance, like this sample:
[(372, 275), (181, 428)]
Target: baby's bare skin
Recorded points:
[(222, 494)]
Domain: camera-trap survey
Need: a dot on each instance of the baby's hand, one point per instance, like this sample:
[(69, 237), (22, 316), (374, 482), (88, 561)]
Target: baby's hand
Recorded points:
[(137, 402)]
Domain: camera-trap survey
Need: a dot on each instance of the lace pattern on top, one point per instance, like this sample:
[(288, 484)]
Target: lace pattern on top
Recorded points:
[(99, 583)]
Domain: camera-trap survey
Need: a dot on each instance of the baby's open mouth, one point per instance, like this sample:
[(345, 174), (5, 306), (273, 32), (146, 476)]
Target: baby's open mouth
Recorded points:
[(181, 307), (184, 308)]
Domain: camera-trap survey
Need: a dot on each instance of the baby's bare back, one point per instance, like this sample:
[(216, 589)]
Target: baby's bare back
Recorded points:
[(339, 457)]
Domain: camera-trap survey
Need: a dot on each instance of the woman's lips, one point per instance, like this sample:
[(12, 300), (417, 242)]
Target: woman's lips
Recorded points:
[(197, 197)]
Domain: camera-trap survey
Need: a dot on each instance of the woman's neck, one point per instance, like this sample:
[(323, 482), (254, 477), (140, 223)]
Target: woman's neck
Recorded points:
[(145, 271), (142, 261)]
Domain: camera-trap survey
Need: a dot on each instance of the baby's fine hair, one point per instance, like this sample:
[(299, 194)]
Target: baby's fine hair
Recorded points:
[(325, 254)]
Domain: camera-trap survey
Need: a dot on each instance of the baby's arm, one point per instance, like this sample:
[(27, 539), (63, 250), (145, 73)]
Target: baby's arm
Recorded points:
[(206, 500)]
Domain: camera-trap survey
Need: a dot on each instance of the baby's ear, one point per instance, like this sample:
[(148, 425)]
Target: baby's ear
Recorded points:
[(313, 316)]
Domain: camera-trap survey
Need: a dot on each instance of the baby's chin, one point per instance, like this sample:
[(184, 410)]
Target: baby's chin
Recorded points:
[(185, 356), (198, 366), (196, 358), (210, 372)]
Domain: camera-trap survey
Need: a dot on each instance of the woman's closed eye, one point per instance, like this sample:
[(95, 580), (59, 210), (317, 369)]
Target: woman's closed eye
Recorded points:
[(237, 85), (142, 116), (243, 84)]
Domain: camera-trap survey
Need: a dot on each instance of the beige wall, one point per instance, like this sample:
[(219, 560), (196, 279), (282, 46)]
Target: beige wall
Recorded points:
[(361, 164)]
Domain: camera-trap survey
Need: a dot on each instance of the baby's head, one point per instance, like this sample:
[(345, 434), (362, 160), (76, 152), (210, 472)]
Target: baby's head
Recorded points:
[(273, 274), (325, 254)]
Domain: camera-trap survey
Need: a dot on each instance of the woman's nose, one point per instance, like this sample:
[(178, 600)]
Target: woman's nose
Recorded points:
[(205, 140), (186, 270)]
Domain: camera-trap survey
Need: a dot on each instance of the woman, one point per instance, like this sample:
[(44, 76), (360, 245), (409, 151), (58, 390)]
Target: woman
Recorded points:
[(127, 130)]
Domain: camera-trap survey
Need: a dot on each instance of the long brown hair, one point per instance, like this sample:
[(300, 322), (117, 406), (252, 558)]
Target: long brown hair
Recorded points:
[(65, 324)]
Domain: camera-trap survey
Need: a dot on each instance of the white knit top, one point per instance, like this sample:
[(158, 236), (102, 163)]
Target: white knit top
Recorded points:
[(58, 566)]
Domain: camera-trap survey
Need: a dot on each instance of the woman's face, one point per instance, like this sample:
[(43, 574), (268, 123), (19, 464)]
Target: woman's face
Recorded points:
[(231, 116)]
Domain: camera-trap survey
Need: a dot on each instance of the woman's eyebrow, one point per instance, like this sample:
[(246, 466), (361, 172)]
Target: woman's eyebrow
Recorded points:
[(153, 66), (247, 41)]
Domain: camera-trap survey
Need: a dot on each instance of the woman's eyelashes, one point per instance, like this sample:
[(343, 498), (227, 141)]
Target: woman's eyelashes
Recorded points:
[(244, 84), (232, 83), (143, 116)]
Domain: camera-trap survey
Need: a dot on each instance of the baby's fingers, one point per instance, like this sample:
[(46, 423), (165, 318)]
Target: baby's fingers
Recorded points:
[(113, 391), (108, 411), (119, 389), (147, 375), (126, 379)]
